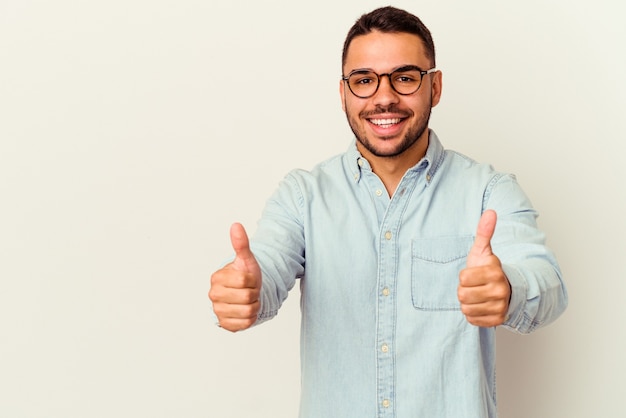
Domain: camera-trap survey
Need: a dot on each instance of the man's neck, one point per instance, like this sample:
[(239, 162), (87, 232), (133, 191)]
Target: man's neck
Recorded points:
[(391, 169)]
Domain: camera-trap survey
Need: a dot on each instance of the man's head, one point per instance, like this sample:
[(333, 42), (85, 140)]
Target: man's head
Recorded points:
[(389, 84), (391, 20)]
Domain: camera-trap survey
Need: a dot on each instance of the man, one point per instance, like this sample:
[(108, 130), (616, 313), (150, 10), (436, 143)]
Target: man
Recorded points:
[(405, 269)]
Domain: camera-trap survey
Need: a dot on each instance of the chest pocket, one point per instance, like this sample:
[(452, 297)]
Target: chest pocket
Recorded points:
[(435, 267)]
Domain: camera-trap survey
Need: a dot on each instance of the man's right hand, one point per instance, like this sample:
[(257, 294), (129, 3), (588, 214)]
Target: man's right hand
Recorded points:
[(236, 288)]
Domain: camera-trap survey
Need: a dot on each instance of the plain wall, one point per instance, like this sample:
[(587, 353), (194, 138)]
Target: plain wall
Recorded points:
[(134, 132)]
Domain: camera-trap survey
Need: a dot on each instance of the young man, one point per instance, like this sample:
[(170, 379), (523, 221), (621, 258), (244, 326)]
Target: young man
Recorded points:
[(405, 269)]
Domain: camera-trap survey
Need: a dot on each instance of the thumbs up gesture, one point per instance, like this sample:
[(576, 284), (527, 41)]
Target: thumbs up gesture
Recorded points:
[(236, 288), (484, 291)]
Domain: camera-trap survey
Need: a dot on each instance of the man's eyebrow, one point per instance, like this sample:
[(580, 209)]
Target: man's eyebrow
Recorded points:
[(361, 70), (403, 67), (407, 67)]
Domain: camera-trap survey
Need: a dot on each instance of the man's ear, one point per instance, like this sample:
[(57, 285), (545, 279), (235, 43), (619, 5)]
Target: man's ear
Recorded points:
[(436, 86), (342, 93)]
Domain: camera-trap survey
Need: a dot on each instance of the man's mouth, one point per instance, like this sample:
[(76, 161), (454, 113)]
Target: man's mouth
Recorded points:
[(385, 123)]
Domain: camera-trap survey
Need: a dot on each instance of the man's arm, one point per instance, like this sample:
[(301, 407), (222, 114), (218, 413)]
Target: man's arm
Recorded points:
[(251, 289), (537, 293)]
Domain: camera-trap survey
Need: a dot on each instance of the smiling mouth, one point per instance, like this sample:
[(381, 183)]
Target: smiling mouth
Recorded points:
[(385, 123)]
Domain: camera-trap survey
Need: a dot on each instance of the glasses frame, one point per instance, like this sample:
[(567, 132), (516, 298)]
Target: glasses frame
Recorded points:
[(380, 76)]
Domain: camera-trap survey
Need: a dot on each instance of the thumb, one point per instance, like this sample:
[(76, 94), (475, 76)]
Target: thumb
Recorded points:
[(482, 243), (244, 259)]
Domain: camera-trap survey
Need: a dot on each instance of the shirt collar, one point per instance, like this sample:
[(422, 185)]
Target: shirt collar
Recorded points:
[(429, 164)]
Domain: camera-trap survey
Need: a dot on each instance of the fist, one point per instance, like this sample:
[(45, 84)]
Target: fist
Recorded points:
[(484, 291), (236, 288)]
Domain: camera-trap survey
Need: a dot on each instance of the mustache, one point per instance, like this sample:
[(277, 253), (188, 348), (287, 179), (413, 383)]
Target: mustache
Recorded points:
[(379, 110)]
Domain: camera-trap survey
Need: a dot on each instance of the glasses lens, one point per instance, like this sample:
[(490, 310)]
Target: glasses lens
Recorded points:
[(363, 84), (407, 81)]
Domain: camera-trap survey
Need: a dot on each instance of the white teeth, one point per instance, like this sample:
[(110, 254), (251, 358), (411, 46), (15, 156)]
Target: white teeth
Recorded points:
[(385, 122)]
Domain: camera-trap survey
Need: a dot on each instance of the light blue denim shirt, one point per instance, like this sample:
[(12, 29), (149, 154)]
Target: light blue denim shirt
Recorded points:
[(382, 332)]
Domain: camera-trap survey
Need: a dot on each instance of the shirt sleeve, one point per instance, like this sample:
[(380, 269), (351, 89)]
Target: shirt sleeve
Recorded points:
[(538, 293), (278, 245)]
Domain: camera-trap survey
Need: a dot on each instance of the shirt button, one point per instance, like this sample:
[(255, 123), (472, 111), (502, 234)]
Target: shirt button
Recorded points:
[(384, 348), (386, 403), (360, 162), (427, 177), (386, 291), (388, 235), (379, 192)]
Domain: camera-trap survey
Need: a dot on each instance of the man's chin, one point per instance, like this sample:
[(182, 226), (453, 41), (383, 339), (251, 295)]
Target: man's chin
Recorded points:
[(385, 150)]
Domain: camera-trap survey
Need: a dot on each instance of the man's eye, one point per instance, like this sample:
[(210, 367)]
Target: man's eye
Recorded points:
[(363, 80), (405, 79)]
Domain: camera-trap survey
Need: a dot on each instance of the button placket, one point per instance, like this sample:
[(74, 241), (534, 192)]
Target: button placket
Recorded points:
[(386, 310)]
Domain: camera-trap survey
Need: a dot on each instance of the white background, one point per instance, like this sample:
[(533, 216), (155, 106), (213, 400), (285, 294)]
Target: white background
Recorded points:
[(134, 132)]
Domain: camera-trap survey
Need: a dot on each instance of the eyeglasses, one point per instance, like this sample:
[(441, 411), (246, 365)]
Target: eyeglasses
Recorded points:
[(406, 80)]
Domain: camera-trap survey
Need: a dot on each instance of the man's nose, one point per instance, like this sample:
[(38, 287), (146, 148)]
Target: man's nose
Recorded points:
[(385, 94)]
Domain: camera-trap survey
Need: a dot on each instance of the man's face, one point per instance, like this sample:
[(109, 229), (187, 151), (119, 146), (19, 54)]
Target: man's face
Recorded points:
[(387, 124)]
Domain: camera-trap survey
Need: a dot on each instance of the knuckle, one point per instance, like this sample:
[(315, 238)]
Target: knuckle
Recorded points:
[(219, 310), (502, 292), (215, 277), (472, 320), (218, 275), (229, 277), (502, 307), (248, 311), (249, 298), (466, 310), (229, 326), (463, 277), (236, 280), (249, 322), (213, 294), (252, 296)]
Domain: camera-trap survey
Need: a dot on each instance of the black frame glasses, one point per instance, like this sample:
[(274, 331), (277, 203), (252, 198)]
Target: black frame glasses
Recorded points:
[(402, 80)]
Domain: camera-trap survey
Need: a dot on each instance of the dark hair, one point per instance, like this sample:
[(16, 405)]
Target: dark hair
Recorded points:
[(390, 20)]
